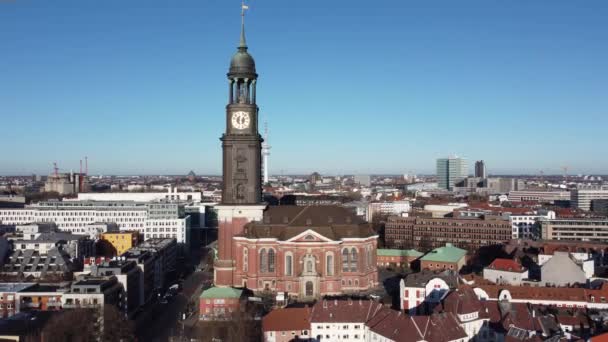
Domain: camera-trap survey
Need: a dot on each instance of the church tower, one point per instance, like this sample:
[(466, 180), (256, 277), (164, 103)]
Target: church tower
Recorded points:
[(241, 167)]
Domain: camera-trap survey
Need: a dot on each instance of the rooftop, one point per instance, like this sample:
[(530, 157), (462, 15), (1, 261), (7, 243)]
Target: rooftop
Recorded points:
[(399, 252), (448, 253), (221, 292), (507, 265), (287, 319)]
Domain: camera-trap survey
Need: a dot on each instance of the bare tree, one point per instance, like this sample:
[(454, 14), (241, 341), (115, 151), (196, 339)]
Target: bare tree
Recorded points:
[(115, 326), (76, 325)]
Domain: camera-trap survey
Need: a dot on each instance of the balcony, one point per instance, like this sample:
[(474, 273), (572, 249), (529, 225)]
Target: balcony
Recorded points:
[(80, 306), (30, 305)]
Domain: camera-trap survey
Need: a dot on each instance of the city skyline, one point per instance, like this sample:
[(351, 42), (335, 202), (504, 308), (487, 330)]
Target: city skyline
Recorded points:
[(147, 95)]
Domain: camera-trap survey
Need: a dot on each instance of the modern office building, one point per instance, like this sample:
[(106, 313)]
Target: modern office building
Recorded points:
[(450, 171), (164, 219), (363, 180), (546, 196), (424, 233), (582, 197), (587, 229), (600, 206), (480, 169), (387, 208)]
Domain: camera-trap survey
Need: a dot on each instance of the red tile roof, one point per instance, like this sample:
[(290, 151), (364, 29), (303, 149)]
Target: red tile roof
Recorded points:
[(288, 319), (344, 311), (574, 294), (399, 327), (507, 265)]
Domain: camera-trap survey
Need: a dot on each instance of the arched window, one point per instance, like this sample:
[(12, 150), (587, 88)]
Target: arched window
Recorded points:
[(329, 264), (345, 260), (263, 261), (353, 260), (288, 264), (245, 259), (271, 260)]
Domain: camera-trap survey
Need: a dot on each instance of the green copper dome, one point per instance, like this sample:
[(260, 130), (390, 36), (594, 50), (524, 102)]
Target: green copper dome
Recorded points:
[(242, 64)]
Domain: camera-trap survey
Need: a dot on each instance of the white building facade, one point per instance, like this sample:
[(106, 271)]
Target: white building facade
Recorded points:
[(93, 218)]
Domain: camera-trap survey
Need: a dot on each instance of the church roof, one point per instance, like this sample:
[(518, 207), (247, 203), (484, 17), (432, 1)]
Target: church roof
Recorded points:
[(288, 221)]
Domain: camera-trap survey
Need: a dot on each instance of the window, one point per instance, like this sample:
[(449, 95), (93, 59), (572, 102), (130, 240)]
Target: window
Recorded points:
[(263, 261), (245, 259), (345, 260), (271, 260), (353, 260), (329, 264), (288, 265)]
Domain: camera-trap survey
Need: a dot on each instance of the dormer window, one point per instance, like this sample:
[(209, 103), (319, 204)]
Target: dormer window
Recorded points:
[(308, 222), (330, 219), (285, 219)]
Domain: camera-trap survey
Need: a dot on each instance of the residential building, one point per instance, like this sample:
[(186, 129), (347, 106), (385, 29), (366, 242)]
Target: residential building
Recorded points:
[(342, 320), (583, 258), (53, 263), (480, 169), (560, 297), (390, 325), (505, 271), (160, 265), (397, 257), (582, 197), (8, 297), (219, 303), (528, 226), (420, 292), (94, 292), (562, 270), (41, 297), (583, 229), (450, 171), (121, 241), (77, 247), (285, 325), (129, 276), (424, 233), (463, 303)]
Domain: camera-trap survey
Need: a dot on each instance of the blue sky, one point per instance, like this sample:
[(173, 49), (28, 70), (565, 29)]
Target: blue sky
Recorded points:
[(346, 86)]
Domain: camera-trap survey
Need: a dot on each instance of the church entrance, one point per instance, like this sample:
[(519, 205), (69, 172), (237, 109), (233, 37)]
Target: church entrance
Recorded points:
[(309, 289), (309, 278)]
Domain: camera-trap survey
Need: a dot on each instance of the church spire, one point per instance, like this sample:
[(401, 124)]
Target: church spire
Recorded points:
[(243, 42)]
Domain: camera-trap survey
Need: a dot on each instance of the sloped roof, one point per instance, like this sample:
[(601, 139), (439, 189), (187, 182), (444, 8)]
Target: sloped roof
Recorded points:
[(420, 279), (287, 319), (507, 265), (399, 252), (447, 253), (344, 311), (287, 221), (399, 327), (462, 301), (221, 292)]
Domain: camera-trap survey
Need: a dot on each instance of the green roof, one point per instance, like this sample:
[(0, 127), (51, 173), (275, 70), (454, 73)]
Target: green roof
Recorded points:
[(221, 292), (399, 252), (448, 253)]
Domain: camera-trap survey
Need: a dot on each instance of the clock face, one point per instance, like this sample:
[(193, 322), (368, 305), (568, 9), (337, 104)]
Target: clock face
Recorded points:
[(240, 120)]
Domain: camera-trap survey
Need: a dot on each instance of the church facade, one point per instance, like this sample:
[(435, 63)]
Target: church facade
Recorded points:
[(306, 252)]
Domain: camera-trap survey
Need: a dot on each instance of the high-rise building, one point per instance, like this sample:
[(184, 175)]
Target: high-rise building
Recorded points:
[(449, 171), (480, 169), (363, 180)]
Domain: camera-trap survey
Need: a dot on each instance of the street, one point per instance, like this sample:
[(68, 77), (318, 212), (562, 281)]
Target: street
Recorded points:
[(160, 321)]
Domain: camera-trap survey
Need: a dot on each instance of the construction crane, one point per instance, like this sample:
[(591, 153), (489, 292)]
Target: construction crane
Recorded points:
[(55, 169), (565, 168)]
